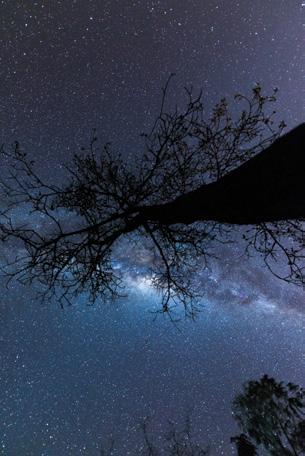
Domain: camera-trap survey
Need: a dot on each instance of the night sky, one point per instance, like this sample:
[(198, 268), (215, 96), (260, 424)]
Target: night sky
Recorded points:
[(71, 377)]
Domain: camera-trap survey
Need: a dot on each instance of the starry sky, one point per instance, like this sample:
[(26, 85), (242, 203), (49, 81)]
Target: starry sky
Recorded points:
[(69, 378)]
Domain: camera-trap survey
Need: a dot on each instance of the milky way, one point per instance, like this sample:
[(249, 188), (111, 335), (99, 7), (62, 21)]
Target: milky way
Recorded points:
[(70, 378)]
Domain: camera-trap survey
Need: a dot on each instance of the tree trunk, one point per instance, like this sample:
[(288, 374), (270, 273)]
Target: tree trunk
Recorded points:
[(269, 187)]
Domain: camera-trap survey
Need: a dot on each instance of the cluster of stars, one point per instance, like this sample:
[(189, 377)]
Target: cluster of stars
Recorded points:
[(71, 377)]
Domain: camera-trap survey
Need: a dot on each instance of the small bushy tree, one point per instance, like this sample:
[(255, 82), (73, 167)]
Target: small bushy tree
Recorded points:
[(272, 415)]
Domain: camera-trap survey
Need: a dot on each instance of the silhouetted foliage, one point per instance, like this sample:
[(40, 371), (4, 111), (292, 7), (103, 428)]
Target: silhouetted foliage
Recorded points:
[(181, 198), (272, 415)]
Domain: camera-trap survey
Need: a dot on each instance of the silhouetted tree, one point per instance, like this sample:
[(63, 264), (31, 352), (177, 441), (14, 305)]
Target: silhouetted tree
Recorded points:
[(198, 176), (183, 443), (176, 442), (272, 415)]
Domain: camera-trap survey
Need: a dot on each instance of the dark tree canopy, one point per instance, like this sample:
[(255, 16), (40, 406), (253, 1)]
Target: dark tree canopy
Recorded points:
[(199, 176), (272, 414)]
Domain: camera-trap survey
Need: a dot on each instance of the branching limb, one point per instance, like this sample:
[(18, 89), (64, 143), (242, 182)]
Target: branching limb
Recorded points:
[(69, 241)]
